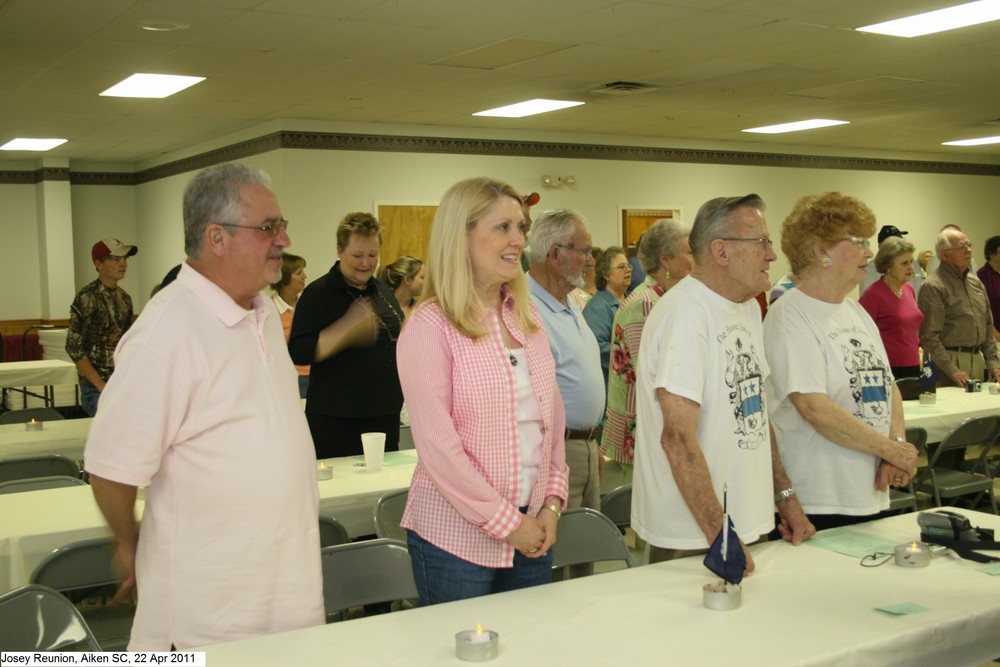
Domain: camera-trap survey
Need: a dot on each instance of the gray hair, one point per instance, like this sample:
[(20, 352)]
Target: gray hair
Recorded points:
[(214, 195), (948, 232), (551, 228), (891, 248), (712, 220), (661, 240)]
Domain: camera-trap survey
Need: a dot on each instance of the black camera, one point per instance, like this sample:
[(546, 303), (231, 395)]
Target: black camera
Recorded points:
[(950, 526)]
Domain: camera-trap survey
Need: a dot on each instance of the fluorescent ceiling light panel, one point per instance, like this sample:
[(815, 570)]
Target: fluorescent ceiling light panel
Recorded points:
[(24, 144), (528, 108), (811, 124), (939, 20), (151, 85), (982, 141)]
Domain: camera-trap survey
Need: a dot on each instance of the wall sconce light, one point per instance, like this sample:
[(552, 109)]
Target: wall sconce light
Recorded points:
[(553, 181)]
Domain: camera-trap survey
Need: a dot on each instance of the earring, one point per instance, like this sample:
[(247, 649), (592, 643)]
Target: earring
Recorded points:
[(667, 277), (827, 262)]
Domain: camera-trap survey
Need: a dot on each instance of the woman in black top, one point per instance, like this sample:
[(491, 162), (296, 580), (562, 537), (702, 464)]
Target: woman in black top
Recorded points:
[(346, 325)]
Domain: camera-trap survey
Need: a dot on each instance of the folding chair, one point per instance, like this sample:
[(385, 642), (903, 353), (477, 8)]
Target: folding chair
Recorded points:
[(40, 483), (587, 536), (389, 513), (82, 567), (364, 573), (944, 482), (907, 500), (37, 465), (617, 506), (331, 532), (37, 618), (27, 414)]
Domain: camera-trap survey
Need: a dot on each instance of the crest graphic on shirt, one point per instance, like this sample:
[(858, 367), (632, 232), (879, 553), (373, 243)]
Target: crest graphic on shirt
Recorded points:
[(743, 376), (868, 382)]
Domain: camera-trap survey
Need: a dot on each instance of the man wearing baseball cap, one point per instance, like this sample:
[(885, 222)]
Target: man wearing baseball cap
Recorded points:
[(99, 316), (872, 274)]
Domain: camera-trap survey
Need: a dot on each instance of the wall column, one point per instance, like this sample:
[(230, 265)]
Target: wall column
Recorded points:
[(55, 238)]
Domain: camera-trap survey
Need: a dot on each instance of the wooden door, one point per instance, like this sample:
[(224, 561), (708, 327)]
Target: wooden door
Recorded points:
[(635, 221), (406, 230)]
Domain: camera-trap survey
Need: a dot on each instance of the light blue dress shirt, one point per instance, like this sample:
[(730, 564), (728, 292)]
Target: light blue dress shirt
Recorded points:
[(577, 357)]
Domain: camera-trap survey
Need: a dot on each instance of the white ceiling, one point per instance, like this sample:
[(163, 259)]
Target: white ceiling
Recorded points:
[(718, 66)]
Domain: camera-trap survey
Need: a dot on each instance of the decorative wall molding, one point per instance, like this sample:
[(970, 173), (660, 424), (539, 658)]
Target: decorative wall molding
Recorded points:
[(452, 146)]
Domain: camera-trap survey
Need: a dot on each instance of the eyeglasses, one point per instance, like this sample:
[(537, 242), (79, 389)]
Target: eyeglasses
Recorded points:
[(962, 246), (858, 241), (270, 229), (765, 243), (587, 254), (622, 267)]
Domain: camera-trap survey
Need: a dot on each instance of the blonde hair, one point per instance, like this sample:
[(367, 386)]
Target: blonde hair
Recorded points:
[(822, 219), (448, 271)]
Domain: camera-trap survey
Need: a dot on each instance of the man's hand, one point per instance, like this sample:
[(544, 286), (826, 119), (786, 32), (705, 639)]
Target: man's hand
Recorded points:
[(889, 475), (795, 526), (960, 378)]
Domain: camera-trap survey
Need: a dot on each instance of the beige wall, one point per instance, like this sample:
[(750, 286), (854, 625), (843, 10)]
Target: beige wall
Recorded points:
[(317, 187)]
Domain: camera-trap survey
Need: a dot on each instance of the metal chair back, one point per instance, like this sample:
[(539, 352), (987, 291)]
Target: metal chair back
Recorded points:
[(587, 536), (366, 572), (389, 513), (37, 618), (37, 465), (40, 483), (331, 532), (617, 506)]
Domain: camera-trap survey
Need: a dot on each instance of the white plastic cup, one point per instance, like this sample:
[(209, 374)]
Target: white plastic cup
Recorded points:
[(374, 446)]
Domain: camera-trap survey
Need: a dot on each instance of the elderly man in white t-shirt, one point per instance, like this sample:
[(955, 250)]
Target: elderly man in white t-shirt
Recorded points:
[(204, 410), (701, 414)]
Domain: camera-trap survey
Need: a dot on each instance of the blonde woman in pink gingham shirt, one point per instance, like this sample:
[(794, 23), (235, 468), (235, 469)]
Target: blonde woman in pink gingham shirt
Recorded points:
[(486, 414)]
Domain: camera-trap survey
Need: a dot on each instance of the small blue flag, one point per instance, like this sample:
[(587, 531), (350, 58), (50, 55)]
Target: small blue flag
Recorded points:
[(731, 566)]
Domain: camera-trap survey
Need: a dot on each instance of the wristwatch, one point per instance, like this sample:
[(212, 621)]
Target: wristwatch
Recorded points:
[(784, 494)]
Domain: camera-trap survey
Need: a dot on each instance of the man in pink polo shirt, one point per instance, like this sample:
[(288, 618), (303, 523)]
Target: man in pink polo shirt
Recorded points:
[(203, 409)]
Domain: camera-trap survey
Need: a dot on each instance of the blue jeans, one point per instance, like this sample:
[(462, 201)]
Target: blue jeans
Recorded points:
[(88, 398), (443, 577)]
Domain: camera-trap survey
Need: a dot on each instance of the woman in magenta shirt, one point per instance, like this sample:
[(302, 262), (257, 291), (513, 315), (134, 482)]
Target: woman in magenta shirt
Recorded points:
[(892, 303), (485, 411)]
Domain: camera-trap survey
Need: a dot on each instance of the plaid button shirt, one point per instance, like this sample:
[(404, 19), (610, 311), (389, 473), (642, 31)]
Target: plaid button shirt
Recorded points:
[(461, 398)]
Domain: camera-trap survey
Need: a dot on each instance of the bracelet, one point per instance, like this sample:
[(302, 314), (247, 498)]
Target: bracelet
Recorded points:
[(552, 507), (784, 494), (899, 439)]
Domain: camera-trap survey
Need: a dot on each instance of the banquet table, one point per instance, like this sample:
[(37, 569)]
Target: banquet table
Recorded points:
[(37, 522), (954, 405), (66, 437), (27, 377), (803, 606), (350, 495), (33, 523)]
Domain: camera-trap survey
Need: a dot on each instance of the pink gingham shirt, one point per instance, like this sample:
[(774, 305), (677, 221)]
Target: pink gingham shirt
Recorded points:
[(461, 398)]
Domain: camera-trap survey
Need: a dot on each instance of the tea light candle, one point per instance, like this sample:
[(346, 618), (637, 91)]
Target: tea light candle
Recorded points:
[(913, 554), (323, 471), (722, 596), (928, 398), (477, 645), (33, 425)]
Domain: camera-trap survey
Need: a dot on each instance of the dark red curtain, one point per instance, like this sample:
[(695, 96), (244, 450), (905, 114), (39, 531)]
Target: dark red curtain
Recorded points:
[(12, 348)]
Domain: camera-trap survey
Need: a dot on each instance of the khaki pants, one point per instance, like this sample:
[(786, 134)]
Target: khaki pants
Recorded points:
[(969, 362)]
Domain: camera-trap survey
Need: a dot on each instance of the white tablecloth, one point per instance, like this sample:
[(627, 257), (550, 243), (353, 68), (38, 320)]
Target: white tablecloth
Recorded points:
[(66, 437), (804, 606), (35, 373), (351, 494), (34, 523), (954, 405)]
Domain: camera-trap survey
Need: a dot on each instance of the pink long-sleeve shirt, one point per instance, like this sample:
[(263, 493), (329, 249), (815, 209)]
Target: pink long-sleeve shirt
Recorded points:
[(461, 398)]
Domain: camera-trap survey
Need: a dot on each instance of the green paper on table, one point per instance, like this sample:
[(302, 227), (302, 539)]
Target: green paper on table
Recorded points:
[(393, 459), (991, 569), (851, 542), (901, 609)]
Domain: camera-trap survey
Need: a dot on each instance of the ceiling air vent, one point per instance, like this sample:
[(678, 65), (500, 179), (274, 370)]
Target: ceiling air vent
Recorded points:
[(622, 88)]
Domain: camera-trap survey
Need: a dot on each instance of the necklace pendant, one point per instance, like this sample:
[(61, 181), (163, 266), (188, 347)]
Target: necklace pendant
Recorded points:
[(513, 360)]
